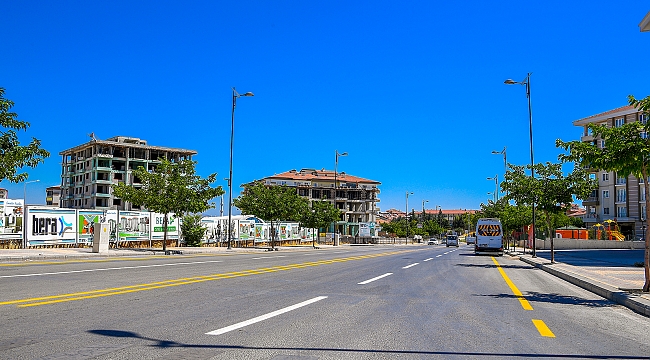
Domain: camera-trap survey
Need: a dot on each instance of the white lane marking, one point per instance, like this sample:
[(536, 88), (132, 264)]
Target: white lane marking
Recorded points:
[(267, 257), (107, 269), (408, 266), (375, 278), (264, 317), (428, 259), (439, 255)]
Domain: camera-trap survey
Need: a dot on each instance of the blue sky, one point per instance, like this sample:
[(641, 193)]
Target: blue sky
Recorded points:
[(412, 90)]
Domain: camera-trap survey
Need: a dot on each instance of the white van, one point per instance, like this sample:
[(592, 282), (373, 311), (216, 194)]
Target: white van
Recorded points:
[(489, 236), (452, 240)]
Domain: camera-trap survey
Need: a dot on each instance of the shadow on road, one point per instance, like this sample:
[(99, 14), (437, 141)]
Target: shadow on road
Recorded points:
[(555, 299), (173, 344), (492, 266)]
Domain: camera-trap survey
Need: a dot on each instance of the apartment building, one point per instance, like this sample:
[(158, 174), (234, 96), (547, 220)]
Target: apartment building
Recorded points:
[(89, 170), (618, 197), (356, 197)]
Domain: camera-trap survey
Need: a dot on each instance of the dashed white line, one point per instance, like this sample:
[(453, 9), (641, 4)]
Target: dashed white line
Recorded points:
[(408, 266), (428, 259), (107, 269), (264, 317), (441, 254), (267, 257), (375, 278)]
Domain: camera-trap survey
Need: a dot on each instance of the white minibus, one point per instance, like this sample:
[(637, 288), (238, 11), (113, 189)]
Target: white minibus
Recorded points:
[(489, 236)]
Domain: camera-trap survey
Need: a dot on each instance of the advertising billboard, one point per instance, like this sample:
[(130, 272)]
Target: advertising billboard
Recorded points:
[(48, 226), (133, 225)]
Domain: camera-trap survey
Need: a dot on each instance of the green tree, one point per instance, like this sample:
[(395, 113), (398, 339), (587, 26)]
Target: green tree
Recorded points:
[(551, 191), (171, 188), (13, 156), (627, 152), (272, 204), (193, 230), (321, 214)]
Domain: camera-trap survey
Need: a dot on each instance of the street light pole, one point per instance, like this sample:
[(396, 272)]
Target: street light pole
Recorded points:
[(336, 165), (526, 82), (235, 95), (423, 213), (505, 162), (407, 217), (496, 186), (25, 210)]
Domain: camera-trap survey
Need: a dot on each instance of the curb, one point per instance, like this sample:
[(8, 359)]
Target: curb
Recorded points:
[(618, 296)]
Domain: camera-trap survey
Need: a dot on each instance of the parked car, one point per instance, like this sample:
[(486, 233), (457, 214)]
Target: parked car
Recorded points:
[(433, 242)]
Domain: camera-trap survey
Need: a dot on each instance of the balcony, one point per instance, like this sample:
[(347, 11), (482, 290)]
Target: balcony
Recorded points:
[(587, 138), (591, 201)]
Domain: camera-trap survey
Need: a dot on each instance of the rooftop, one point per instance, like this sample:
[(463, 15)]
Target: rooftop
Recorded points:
[(623, 110), (322, 175), (125, 141)]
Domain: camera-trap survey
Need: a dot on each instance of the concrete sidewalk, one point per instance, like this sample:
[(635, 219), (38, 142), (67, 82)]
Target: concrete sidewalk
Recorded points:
[(620, 284)]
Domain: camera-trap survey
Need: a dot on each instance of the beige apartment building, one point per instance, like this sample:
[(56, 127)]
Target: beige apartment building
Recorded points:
[(89, 170), (356, 197), (618, 197)]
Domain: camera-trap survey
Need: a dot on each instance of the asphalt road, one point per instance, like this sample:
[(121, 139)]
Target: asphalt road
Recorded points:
[(378, 302)]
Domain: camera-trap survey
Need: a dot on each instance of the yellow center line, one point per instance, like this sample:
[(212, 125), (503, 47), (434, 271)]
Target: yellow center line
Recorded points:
[(543, 329), (524, 303), (45, 300)]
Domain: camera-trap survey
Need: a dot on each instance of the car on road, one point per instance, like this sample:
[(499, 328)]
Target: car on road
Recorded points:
[(433, 242), (452, 240), (470, 239)]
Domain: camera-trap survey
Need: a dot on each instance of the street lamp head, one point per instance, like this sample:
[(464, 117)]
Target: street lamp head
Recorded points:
[(344, 154), (510, 82), (247, 94)]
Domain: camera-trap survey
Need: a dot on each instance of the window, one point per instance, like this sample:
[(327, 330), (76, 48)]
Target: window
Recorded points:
[(606, 211), (602, 144), (621, 211), (620, 180), (619, 122), (605, 195), (605, 176), (620, 195), (643, 118)]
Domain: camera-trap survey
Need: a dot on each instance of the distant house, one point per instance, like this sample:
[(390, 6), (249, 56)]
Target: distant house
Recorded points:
[(53, 195)]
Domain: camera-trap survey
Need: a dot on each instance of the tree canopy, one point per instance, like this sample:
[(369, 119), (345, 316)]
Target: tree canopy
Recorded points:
[(272, 204), (13, 156), (626, 151), (172, 187), (322, 214)]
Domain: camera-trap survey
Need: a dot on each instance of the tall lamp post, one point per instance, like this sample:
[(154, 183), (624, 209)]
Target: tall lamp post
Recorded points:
[(24, 210), (407, 217), (496, 186), (423, 213), (505, 162), (235, 95), (526, 82), (336, 165)]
